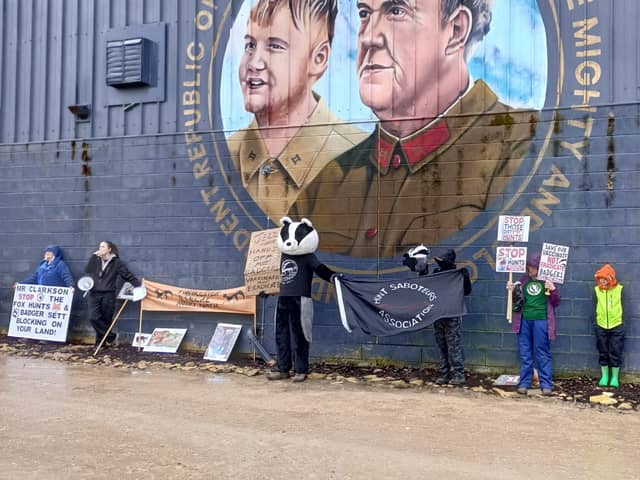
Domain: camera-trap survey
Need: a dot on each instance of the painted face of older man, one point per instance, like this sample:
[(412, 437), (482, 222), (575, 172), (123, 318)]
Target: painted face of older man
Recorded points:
[(410, 62)]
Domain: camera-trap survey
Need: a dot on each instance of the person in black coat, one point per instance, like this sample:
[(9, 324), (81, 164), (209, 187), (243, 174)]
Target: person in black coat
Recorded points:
[(105, 267), (447, 331)]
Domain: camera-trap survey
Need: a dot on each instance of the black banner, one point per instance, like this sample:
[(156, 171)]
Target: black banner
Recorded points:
[(390, 307)]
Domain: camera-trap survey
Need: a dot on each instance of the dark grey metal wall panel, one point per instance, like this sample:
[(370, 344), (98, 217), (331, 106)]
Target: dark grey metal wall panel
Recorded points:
[(101, 115), (2, 65), (70, 65), (150, 112), (53, 83), (10, 59), (23, 90)]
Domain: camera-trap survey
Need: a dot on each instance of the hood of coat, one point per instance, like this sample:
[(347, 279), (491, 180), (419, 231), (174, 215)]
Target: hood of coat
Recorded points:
[(56, 251), (446, 261), (606, 277)]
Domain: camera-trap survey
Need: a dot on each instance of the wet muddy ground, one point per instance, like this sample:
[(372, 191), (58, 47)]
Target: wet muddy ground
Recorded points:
[(577, 389), (67, 415)]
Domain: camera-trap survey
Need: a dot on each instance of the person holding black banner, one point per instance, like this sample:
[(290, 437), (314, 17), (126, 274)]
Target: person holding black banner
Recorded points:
[(447, 331), (52, 271), (534, 320), (105, 267)]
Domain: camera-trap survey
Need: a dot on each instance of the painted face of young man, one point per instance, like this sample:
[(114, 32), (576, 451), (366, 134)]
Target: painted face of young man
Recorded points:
[(274, 69), (401, 57)]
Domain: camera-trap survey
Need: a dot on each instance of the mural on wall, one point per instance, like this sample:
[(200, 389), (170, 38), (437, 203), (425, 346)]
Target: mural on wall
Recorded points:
[(293, 134), (444, 145), (389, 123)]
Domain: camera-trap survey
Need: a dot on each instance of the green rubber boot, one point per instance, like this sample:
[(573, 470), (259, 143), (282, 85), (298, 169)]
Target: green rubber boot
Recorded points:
[(604, 378), (615, 383)]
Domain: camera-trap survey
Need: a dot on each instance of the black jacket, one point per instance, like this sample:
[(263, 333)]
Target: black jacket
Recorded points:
[(447, 261), (105, 281)]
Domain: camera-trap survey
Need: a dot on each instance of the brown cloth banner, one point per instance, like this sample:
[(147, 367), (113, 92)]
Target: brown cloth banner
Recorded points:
[(167, 298)]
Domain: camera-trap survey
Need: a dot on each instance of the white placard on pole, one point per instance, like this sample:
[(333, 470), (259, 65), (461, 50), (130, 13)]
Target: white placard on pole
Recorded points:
[(553, 262), (41, 312), (513, 228), (511, 259)]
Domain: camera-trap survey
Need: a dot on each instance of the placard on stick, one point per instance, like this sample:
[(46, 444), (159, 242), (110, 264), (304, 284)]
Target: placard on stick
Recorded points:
[(553, 262), (41, 312), (513, 228), (262, 270), (511, 259)]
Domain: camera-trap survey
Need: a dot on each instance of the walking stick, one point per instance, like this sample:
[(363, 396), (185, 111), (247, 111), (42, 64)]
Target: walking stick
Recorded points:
[(140, 329), (115, 319)]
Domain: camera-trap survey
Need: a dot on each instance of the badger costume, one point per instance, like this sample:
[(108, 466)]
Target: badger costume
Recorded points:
[(294, 313)]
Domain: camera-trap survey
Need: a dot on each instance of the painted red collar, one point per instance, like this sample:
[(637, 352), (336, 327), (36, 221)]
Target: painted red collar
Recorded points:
[(413, 149)]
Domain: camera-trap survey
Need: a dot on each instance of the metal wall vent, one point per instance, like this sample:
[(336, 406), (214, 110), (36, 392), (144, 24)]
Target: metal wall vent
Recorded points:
[(128, 63)]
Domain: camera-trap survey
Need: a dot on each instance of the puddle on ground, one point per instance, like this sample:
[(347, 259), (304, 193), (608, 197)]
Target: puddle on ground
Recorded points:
[(216, 379)]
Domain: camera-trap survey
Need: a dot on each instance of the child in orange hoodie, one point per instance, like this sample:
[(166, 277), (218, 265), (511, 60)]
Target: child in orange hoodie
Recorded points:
[(609, 327)]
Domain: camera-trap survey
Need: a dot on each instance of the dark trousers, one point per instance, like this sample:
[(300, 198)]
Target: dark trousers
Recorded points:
[(610, 343), (290, 337), (101, 308), (533, 342), (449, 341)]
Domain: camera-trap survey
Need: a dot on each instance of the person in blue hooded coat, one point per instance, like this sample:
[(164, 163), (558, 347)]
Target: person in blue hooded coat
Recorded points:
[(52, 270)]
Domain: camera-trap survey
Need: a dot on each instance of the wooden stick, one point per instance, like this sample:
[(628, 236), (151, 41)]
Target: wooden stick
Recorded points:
[(510, 300), (115, 319), (140, 328), (255, 326), (140, 321)]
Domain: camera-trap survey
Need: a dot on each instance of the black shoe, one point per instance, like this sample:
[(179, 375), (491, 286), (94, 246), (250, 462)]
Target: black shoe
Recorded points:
[(299, 377), (442, 380), (457, 380)]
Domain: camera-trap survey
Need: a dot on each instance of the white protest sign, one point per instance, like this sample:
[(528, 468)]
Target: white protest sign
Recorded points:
[(511, 259), (553, 262), (513, 228), (41, 312)]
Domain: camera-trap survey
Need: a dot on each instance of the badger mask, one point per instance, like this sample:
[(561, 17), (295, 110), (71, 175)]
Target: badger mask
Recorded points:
[(297, 238), (416, 259)]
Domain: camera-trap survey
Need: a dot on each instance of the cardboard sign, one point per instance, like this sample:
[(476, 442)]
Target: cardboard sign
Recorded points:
[(41, 312), (511, 259), (262, 271), (222, 342), (553, 262), (512, 228)]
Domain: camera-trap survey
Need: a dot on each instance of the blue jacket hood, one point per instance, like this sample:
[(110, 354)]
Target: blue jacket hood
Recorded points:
[(56, 250)]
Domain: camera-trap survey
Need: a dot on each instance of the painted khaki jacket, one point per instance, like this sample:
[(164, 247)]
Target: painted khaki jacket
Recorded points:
[(275, 183), (387, 194)]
